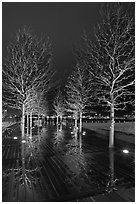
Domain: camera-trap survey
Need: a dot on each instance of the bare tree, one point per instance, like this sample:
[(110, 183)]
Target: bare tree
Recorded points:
[(58, 106), (36, 103), (27, 67), (30, 106), (44, 109), (78, 91), (111, 59)]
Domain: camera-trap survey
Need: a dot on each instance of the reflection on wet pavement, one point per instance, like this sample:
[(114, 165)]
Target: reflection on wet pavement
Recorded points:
[(61, 163)]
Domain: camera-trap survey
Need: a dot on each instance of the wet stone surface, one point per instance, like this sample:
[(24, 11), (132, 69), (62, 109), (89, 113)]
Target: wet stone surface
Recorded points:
[(62, 164)]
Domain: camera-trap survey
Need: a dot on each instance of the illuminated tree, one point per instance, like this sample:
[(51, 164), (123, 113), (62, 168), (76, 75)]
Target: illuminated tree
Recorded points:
[(78, 90), (58, 106), (26, 68), (36, 103), (111, 59)]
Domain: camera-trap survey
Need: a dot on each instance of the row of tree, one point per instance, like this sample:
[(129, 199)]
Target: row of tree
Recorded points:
[(103, 74), (105, 69)]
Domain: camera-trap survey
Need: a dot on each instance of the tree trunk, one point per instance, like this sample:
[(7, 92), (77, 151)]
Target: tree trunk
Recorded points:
[(111, 136), (31, 133), (61, 119), (57, 119), (57, 128), (80, 142), (23, 121), (75, 123), (60, 128), (31, 120), (27, 124), (80, 123), (111, 166), (76, 137), (23, 142)]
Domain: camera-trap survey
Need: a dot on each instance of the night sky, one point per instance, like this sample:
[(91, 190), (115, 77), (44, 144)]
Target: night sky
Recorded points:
[(62, 22)]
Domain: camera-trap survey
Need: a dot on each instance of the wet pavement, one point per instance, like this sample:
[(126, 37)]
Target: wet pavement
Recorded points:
[(63, 165)]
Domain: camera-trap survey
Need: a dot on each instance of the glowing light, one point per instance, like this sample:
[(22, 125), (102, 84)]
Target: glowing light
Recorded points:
[(72, 132), (84, 133), (15, 138), (125, 151), (23, 141)]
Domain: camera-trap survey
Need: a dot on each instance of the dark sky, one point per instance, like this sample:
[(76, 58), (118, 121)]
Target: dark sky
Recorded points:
[(62, 22)]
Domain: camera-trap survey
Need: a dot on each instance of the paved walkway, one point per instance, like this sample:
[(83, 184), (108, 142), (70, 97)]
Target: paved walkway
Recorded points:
[(69, 168), (120, 134)]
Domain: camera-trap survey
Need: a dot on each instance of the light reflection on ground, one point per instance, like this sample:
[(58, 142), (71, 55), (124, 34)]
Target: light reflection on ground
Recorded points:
[(61, 161)]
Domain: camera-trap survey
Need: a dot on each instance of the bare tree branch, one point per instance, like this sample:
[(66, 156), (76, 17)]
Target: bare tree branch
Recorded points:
[(27, 68)]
